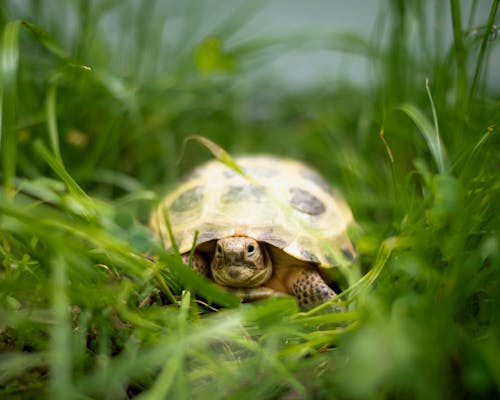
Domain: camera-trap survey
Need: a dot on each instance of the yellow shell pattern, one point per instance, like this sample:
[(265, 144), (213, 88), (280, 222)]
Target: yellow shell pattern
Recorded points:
[(282, 202)]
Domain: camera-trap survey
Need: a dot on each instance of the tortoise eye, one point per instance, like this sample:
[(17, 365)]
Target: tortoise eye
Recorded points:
[(218, 249), (250, 249)]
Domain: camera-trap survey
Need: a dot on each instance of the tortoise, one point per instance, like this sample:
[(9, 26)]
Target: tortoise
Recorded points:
[(274, 229)]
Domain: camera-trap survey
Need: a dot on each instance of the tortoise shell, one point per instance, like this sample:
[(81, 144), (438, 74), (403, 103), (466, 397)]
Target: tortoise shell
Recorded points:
[(278, 201)]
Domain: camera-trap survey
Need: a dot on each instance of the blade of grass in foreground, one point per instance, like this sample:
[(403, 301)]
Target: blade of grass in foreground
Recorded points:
[(60, 343), (173, 369), (128, 365), (9, 58), (15, 364)]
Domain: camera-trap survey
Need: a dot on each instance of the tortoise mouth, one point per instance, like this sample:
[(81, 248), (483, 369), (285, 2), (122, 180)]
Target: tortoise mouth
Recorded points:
[(241, 276)]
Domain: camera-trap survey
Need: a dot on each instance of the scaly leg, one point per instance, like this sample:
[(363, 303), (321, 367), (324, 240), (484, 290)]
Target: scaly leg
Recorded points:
[(307, 285), (253, 294)]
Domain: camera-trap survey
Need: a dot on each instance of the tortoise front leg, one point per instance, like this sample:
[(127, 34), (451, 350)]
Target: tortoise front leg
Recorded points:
[(253, 294), (307, 285), (198, 263)]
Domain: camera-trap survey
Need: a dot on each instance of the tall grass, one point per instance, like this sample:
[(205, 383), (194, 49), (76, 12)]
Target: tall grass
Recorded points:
[(96, 101)]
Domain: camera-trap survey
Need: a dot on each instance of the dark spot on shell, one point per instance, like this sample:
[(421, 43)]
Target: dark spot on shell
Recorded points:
[(348, 254), (330, 260), (188, 200), (317, 179), (236, 193), (308, 256), (306, 202)]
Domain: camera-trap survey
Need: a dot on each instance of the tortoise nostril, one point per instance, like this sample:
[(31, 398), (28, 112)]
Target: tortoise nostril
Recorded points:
[(235, 274)]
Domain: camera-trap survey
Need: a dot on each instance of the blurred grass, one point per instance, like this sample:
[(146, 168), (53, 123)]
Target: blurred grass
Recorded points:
[(97, 99)]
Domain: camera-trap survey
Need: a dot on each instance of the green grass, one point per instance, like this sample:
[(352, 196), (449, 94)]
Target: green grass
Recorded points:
[(95, 111)]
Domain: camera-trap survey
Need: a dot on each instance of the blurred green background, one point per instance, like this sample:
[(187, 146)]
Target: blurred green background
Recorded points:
[(396, 103)]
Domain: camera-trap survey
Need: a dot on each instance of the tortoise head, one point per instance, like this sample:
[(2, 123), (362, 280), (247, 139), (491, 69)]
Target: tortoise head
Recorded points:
[(240, 261)]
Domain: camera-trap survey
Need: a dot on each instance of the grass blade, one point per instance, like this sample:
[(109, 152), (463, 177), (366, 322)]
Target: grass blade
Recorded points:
[(428, 131), (171, 374), (484, 44), (219, 153), (460, 51), (52, 122), (15, 364), (43, 37), (60, 170), (437, 137), (9, 58), (60, 343)]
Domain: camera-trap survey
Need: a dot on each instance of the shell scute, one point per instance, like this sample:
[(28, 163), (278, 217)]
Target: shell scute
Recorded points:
[(235, 193), (187, 200), (306, 202)]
